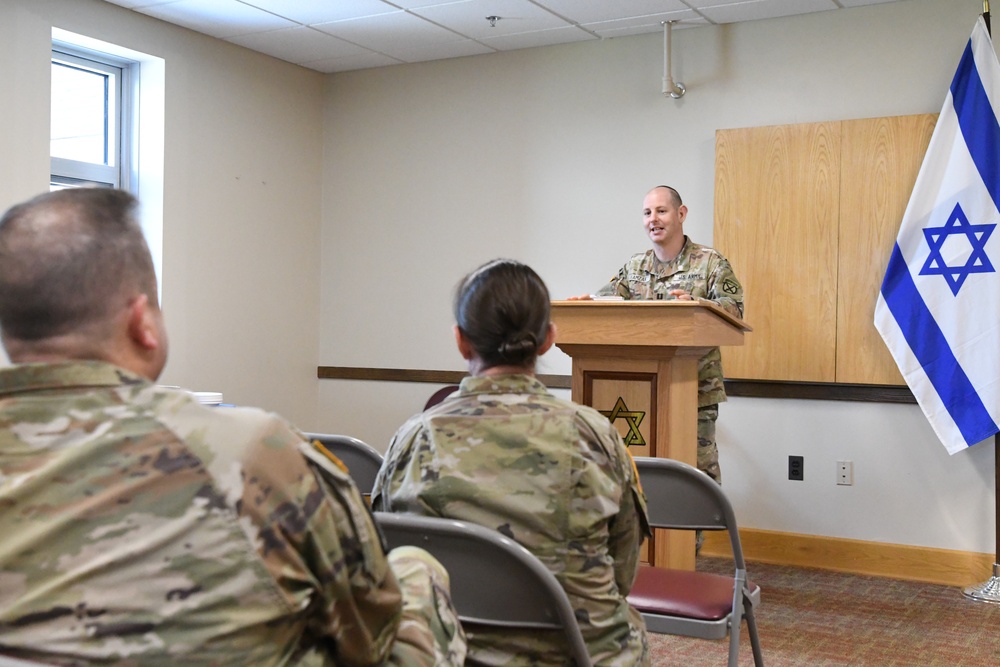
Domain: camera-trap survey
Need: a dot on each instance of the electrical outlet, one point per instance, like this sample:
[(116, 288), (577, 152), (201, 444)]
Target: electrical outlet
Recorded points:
[(796, 468), (845, 473)]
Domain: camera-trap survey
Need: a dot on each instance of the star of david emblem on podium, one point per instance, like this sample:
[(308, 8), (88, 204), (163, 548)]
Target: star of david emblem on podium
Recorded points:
[(632, 417), (978, 262)]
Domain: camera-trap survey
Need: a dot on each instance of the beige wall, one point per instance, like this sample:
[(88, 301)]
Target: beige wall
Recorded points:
[(241, 194), (544, 155)]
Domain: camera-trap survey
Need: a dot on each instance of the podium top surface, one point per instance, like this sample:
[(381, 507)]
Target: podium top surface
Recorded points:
[(711, 306), (672, 323)]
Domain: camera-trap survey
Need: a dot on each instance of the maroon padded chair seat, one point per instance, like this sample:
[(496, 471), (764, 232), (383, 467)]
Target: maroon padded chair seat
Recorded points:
[(700, 595), (440, 395)]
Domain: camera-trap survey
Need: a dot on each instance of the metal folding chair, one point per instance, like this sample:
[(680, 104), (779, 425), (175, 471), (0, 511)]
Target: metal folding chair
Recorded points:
[(440, 395), (362, 460), (494, 580), (695, 604)]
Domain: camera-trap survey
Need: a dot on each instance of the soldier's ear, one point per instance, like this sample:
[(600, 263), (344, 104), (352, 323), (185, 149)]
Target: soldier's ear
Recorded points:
[(142, 328), (464, 347), (550, 339)]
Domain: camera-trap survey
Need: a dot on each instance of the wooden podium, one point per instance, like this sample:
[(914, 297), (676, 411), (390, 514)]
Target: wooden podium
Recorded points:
[(637, 363)]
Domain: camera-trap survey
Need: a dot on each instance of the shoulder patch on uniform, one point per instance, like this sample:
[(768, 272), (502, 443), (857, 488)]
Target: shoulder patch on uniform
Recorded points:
[(318, 446), (635, 471), (730, 286)]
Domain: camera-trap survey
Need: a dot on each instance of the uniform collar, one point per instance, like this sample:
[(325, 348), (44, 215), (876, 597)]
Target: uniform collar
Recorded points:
[(674, 265), (21, 378), (502, 384)]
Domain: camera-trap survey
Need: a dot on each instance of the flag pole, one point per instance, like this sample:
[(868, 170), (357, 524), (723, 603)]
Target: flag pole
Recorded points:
[(989, 590)]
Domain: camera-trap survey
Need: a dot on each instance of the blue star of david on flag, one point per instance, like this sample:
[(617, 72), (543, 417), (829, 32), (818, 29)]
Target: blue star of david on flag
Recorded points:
[(941, 327), (978, 262)]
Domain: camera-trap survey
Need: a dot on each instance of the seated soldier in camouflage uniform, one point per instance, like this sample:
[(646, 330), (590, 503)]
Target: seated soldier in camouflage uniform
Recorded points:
[(555, 476), (141, 528), (677, 268)]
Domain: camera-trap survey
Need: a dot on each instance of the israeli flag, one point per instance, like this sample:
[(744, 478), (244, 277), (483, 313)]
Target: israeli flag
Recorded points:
[(939, 307)]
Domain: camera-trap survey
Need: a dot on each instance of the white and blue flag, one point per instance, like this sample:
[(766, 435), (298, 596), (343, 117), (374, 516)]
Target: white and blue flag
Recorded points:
[(939, 307)]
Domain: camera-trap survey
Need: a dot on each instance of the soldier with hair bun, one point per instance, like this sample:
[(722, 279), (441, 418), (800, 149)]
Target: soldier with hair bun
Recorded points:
[(555, 476)]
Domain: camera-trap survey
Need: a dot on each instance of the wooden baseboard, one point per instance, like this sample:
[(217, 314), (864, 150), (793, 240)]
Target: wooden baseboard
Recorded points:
[(878, 559)]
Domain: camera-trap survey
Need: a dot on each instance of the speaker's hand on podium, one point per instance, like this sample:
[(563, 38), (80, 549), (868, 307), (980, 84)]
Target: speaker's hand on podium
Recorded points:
[(680, 294)]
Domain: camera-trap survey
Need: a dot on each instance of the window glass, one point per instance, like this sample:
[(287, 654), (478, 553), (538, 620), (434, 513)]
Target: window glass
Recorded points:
[(96, 138), (82, 114), (88, 138)]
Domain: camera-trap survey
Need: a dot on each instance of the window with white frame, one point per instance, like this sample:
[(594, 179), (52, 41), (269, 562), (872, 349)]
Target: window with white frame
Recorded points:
[(96, 136), (90, 130)]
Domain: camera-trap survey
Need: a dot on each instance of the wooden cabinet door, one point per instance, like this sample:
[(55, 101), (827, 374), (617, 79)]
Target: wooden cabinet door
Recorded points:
[(776, 210), (808, 215)]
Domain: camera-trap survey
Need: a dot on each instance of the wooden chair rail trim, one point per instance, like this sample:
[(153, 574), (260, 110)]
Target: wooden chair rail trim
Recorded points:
[(823, 391), (746, 388)]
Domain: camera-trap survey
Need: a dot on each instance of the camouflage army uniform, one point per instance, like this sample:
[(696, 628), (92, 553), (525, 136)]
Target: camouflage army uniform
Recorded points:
[(502, 452), (141, 528), (704, 274)]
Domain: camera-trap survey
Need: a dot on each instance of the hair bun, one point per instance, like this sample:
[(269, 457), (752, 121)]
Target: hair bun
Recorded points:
[(517, 348), (502, 311)]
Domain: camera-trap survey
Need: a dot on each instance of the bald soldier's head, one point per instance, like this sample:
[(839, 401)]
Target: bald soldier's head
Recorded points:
[(77, 282)]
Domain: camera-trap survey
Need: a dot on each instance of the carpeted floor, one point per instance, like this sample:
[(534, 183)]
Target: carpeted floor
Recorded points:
[(815, 618)]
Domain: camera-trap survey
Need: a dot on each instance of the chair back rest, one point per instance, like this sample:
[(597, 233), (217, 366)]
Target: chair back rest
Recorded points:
[(362, 460), (680, 496), (440, 395), (494, 580)]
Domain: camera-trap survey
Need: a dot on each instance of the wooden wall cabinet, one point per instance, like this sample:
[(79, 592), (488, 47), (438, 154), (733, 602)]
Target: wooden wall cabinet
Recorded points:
[(808, 214)]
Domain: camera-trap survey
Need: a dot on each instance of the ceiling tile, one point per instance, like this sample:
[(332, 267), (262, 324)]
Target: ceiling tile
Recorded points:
[(719, 11), (362, 61), (133, 4), (466, 47), (411, 4), (298, 45), (594, 11), (469, 17), (643, 24), (218, 18), (863, 3), (389, 33), (526, 40), (637, 26), (322, 11)]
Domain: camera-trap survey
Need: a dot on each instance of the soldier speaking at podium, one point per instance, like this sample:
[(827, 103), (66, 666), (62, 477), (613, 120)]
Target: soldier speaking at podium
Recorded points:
[(677, 268)]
